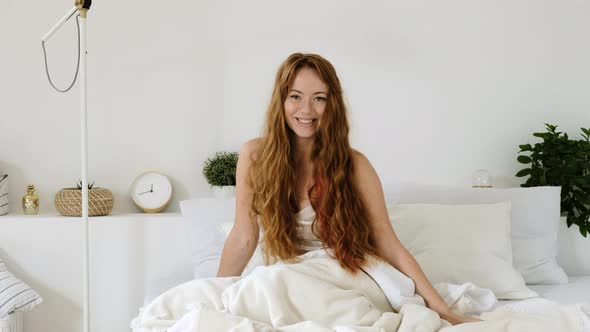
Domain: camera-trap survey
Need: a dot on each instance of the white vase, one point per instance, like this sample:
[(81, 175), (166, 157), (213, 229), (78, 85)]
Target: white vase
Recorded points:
[(572, 245), (223, 192)]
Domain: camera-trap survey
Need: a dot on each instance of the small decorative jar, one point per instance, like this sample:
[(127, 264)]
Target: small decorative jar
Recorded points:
[(481, 179), (30, 201)]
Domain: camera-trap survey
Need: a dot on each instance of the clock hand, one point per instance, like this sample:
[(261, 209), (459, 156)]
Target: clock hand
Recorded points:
[(152, 189), (145, 192)]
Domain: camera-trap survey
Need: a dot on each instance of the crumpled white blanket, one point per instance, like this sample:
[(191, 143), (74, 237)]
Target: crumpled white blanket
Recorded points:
[(318, 295)]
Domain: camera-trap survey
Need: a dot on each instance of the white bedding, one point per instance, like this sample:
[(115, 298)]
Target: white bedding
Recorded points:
[(576, 291), (318, 295)]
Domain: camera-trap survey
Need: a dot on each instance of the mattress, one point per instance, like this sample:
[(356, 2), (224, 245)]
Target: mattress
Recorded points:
[(576, 291)]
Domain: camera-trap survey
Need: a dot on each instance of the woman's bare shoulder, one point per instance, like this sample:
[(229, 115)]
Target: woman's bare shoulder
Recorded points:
[(362, 167), (251, 147), (359, 160), (366, 177)]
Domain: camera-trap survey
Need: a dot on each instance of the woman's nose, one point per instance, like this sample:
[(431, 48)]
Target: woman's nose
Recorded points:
[(306, 106)]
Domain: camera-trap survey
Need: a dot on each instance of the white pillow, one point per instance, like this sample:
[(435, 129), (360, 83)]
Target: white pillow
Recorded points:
[(534, 222), (15, 295), (257, 258), (202, 217), (462, 243)]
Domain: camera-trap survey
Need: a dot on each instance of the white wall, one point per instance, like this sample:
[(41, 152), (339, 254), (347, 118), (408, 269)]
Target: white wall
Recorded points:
[(436, 89)]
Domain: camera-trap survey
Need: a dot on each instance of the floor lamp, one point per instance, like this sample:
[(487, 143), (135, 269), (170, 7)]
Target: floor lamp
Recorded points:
[(82, 7)]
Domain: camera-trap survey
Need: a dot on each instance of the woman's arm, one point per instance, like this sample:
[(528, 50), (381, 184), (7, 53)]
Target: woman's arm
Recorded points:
[(369, 187), (243, 238)]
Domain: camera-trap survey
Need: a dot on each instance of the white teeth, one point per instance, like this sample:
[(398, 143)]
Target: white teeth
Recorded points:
[(305, 121)]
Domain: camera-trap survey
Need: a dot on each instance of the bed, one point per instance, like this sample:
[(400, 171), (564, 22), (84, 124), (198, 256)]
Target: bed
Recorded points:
[(530, 247), (577, 290), (568, 293)]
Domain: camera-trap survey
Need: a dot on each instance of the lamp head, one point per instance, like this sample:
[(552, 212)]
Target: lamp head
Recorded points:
[(83, 4)]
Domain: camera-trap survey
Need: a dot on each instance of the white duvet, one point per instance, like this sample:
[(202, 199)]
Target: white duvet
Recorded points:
[(318, 295)]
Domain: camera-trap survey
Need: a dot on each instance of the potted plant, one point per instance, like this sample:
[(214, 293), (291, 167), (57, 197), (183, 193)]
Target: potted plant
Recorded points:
[(561, 161), (68, 201), (220, 173)]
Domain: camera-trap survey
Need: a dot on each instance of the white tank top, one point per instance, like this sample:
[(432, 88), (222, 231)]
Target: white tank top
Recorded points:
[(308, 241), (304, 219)]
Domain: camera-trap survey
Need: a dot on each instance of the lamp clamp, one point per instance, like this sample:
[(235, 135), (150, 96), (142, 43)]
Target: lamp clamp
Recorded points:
[(83, 6)]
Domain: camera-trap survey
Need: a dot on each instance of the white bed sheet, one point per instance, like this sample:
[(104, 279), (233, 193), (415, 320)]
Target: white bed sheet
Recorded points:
[(576, 291)]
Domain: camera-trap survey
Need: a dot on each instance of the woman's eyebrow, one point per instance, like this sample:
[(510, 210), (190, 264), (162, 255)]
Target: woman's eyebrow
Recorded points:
[(315, 93)]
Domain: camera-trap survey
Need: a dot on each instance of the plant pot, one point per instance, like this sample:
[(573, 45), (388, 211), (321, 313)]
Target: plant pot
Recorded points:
[(223, 192), (68, 202), (572, 249)]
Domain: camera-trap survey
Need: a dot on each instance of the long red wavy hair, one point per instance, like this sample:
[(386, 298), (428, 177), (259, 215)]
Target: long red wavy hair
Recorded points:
[(341, 220)]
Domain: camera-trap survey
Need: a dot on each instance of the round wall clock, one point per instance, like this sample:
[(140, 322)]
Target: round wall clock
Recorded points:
[(151, 192)]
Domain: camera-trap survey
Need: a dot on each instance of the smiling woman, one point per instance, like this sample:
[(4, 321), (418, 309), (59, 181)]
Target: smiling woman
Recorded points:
[(304, 188)]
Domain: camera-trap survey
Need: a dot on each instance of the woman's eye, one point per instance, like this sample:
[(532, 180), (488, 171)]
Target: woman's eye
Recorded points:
[(295, 97), (320, 99)]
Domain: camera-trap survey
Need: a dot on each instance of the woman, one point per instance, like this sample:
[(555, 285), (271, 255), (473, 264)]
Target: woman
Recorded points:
[(304, 165)]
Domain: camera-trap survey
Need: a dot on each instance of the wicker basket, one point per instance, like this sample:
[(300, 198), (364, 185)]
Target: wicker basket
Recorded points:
[(68, 202)]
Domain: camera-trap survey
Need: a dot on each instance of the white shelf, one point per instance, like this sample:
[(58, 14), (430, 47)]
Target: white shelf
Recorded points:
[(118, 218), (127, 216), (130, 253)]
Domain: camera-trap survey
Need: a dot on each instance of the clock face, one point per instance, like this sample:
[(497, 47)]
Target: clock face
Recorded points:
[(151, 191)]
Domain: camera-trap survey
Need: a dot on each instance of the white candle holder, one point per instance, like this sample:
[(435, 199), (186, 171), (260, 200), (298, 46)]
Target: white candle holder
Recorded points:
[(481, 179)]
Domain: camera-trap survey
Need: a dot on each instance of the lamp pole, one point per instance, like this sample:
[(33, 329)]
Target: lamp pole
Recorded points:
[(84, 169), (81, 6)]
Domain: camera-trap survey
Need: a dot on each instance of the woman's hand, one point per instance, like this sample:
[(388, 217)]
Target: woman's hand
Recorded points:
[(455, 319)]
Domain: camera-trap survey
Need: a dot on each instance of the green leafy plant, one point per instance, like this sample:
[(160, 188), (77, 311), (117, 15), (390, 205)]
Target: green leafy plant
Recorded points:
[(561, 161), (220, 170), (79, 185)]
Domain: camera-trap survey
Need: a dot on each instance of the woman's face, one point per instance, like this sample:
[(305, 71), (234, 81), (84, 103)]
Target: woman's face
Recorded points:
[(306, 102)]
